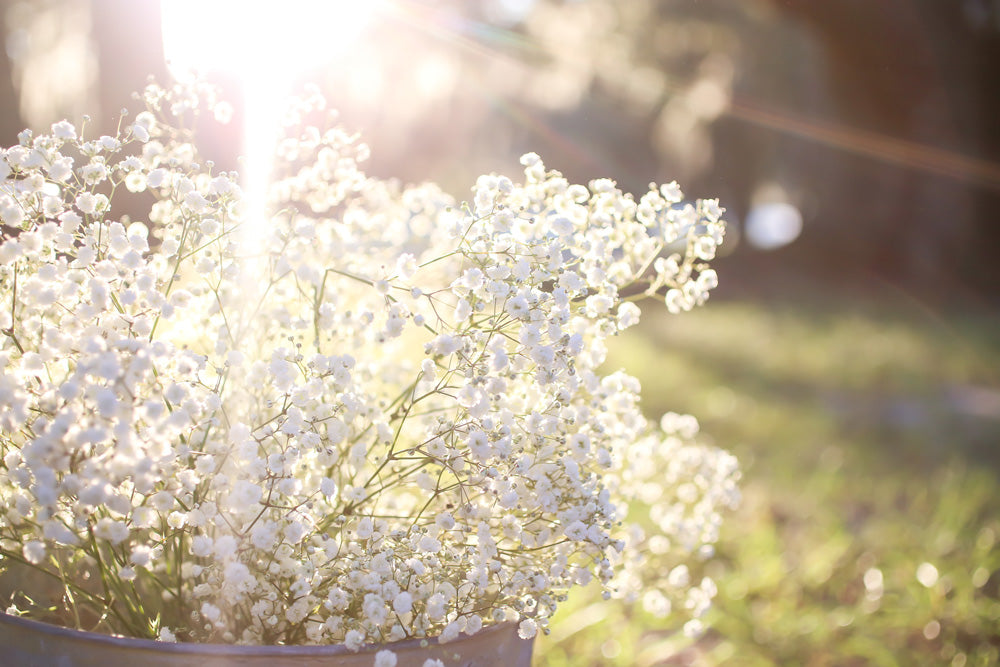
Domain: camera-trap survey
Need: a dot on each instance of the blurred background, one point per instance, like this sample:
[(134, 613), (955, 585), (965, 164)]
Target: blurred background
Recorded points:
[(851, 355)]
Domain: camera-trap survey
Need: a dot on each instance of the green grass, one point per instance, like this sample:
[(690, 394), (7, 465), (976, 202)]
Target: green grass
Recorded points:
[(870, 440)]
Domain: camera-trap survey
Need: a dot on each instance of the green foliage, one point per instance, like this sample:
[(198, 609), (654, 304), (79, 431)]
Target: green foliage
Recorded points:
[(867, 439)]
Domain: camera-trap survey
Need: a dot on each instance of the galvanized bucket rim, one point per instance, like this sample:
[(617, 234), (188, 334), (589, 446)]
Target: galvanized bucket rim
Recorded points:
[(235, 650)]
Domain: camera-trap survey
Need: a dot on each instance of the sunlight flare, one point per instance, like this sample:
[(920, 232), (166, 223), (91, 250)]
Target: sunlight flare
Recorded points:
[(266, 48)]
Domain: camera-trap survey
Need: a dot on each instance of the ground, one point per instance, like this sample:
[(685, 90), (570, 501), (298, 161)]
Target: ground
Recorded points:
[(868, 434)]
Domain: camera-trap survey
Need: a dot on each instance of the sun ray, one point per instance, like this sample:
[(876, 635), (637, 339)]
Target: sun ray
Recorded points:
[(265, 47)]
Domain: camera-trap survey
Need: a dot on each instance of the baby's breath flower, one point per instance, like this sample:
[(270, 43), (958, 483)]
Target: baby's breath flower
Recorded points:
[(388, 420), (527, 628), (385, 658), (34, 551), (64, 130)]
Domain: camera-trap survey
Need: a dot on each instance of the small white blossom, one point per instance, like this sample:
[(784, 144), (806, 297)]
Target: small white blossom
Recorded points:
[(87, 203), (64, 130), (354, 639), (34, 551), (141, 555), (406, 266), (385, 658), (429, 544)]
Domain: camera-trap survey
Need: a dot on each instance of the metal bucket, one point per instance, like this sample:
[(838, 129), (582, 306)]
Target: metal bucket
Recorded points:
[(26, 643)]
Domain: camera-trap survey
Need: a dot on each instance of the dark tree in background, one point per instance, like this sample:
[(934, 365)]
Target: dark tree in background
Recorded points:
[(10, 116), (126, 36), (926, 73)]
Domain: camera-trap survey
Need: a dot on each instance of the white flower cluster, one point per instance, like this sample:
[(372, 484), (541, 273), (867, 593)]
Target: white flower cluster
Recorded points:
[(384, 417)]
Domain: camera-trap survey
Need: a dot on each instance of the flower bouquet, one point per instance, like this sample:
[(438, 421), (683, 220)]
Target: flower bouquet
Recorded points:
[(371, 414)]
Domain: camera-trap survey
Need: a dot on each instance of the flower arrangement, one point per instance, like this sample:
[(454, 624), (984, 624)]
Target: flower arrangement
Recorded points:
[(380, 415)]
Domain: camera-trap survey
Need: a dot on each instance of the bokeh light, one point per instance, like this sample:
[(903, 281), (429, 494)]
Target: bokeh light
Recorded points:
[(773, 225)]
